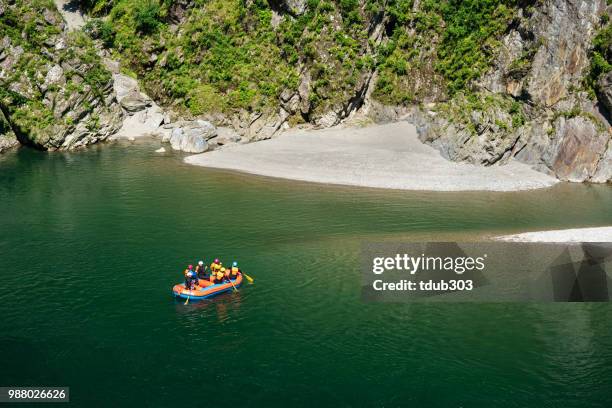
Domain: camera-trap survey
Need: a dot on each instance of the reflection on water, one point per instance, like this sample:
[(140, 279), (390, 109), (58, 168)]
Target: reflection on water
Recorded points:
[(222, 306)]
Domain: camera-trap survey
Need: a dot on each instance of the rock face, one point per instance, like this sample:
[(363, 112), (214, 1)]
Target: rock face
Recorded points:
[(533, 107), (576, 149), (605, 90), (8, 142), (7, 137), (604, 168), (57, 94)]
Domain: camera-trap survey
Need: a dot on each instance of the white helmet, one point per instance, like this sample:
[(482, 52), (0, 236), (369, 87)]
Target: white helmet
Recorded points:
[(200, 263)]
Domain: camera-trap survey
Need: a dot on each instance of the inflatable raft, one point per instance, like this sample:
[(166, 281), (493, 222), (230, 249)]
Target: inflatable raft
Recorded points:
[(205, 289)]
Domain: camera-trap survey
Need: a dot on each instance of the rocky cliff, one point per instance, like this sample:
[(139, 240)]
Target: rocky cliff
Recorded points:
[(54, 91), (535, 102), (484, 80)]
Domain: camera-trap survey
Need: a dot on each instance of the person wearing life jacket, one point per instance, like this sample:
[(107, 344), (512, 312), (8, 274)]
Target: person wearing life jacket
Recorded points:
[(235, 270), (214, 265), (190, 278), (201, 270), (186, 274), (219, 277)]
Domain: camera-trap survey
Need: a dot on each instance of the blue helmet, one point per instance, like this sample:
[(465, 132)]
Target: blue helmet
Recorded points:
[(234, 263)]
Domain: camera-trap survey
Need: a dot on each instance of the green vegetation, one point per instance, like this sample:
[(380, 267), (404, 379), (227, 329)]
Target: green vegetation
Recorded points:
[(408, 55), (577, 112), (470, 37), (227, 56), (146, 16), (601, 56), (447, 43), (33, 28), (502, 111)]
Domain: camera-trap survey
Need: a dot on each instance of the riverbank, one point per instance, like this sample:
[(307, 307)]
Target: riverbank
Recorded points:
[(599, 234), (381, 156)]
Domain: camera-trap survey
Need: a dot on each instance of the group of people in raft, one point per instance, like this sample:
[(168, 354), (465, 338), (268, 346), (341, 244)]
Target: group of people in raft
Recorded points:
[(216, 274)]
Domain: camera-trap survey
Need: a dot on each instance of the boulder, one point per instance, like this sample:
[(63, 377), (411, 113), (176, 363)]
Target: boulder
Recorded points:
[(329, 119), (226, 136), (135, 102), (143, 123), (124, 85), (190, 142), (190, 136)]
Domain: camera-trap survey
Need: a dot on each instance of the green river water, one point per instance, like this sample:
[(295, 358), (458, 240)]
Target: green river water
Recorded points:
[(92, 242)]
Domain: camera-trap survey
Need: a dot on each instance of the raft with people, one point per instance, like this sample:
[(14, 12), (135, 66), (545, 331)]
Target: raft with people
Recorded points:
[(203, 282)]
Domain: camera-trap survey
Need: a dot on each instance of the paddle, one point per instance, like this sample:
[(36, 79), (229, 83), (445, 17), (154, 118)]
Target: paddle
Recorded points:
[(187, 301), (235, 288), (247, 276)]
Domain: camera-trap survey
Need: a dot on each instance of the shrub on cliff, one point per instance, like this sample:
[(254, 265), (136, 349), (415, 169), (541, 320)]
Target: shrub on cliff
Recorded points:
[(146, 16), (601, 55)]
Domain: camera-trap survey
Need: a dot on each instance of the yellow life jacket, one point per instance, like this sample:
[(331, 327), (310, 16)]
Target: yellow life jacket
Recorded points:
[(219, 275), (234, 271)]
